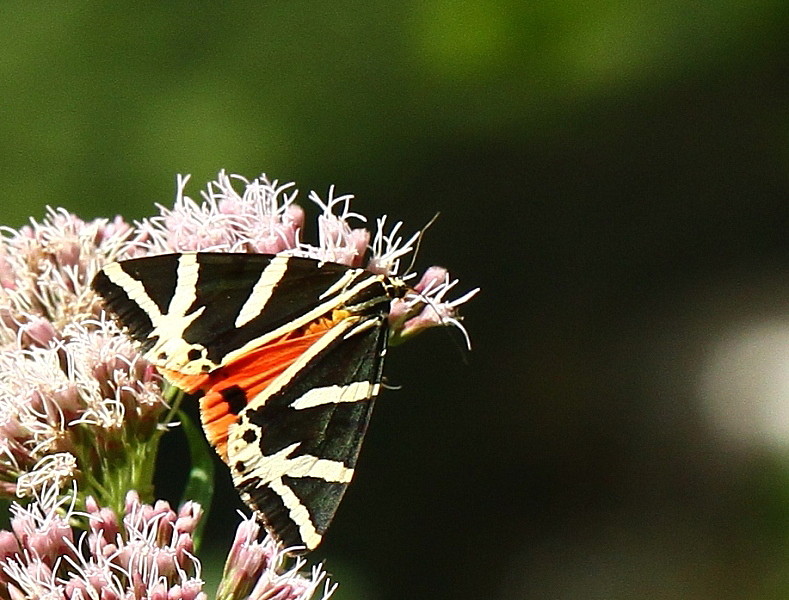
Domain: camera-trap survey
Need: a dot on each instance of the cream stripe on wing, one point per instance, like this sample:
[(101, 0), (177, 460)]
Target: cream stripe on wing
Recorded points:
[(261, 293), (318, 311), (284, 378), (341, 283), (267, 468), (170, 350), (334, 394), (298, 512), (306, 465), (185, 286), (134, 289)]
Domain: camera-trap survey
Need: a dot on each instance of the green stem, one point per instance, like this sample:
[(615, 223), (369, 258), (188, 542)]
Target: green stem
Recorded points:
[(200, 485)]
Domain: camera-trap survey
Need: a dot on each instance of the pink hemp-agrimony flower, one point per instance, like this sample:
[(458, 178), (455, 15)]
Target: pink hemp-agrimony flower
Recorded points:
[(74, 392), (81, 413), (45, 273), (146, 552), (253, 570), (87, 397)]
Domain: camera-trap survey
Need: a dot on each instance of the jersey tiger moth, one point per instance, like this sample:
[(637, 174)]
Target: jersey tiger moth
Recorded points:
[(286, 353)]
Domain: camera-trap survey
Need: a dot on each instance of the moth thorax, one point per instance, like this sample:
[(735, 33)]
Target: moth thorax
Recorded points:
[(376, 295), (395, 287)]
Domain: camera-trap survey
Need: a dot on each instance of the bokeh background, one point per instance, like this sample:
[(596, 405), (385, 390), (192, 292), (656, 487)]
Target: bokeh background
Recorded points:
[(614, 175)]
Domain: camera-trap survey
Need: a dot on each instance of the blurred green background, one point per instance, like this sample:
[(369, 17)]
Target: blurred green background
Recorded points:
[(614, 175)]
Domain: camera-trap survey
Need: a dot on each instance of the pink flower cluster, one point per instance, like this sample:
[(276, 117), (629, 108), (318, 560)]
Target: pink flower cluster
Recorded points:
[(146, 553), (253, 570), (74, 404), (45, 274)]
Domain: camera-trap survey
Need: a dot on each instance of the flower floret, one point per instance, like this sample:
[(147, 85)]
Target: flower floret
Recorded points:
[(389, 248), (425, 306), (253, 570), (46, 269), (40, 557), (263, 218), (85, 395)]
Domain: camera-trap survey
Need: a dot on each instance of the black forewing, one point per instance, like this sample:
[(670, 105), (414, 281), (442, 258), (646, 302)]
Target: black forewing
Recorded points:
[(332, 431), (224, 284)]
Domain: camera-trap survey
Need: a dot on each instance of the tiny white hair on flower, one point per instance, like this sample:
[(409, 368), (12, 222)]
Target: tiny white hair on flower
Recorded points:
[(338, 241), (435, 308), (40, 556), (30, 380), (253, 569), (53, 471), (389, 248), (85, 392), (95, 344), (263, 218), (50, 504)]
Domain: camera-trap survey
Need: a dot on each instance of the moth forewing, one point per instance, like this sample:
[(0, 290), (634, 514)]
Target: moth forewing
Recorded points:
[(294, 449)]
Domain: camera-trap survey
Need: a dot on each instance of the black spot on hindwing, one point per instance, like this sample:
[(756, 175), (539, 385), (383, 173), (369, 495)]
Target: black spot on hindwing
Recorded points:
[(235, 397)]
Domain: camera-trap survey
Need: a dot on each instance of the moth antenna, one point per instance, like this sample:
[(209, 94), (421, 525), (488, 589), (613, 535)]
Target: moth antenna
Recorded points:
[(419, 242), (389, 386)]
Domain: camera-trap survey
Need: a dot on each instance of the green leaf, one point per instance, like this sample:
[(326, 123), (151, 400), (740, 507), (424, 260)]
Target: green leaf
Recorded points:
[(200, 484)]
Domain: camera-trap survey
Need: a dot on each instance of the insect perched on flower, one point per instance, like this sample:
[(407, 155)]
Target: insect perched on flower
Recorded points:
[(283, 341)]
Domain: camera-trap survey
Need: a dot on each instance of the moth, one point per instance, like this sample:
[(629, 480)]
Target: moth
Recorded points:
[(286, 354)]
